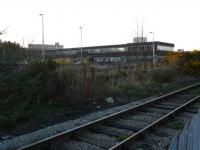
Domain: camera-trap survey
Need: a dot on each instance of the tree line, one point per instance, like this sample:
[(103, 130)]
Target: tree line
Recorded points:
[(12, 52)]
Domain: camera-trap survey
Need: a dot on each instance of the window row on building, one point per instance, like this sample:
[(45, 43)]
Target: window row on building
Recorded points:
[(141, 48), (95, 50), (130, 49), (45, 46), (165, 48)]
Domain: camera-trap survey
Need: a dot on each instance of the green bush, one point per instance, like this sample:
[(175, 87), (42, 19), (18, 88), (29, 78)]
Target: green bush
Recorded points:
[(45, 66), (163, 75), (131, 89), (192, 67)]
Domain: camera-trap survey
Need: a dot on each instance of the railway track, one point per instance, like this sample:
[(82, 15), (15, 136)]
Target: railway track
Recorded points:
[(124, 129)]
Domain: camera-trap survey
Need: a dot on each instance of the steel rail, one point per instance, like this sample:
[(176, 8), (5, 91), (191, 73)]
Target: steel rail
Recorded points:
[(142, 131), (103, 119)]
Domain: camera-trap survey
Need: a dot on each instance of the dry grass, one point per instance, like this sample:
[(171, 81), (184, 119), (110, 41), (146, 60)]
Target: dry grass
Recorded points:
[(48, 88)]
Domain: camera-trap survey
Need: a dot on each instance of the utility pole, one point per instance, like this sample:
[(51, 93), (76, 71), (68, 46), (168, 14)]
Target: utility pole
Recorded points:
[(43, 57), (81, 43), (153, 48)]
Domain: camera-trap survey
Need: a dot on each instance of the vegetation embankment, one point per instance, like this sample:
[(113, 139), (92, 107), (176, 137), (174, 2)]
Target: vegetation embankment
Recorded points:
[(47, 92)]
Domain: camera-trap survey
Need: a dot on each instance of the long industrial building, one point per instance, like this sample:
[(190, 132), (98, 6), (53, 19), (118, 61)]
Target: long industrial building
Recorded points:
[(115, 53)]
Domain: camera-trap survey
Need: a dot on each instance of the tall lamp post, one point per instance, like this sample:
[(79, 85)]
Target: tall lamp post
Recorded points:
[(153, 48), (43, 57), (81, 42)]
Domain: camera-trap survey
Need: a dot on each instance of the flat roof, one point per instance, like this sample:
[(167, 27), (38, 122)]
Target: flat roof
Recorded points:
[(119, 45)]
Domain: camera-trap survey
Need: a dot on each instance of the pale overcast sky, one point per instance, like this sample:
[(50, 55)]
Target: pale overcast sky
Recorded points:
[(104, 22)]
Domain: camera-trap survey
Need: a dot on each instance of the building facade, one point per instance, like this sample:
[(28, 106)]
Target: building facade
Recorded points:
[(45, 46), (113, 53)]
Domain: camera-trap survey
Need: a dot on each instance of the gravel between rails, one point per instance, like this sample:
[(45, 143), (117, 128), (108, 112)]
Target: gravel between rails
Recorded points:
[(29, 138)]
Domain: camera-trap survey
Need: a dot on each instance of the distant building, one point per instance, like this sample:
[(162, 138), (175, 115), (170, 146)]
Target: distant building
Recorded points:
[(180, 50), (116, 53), (139, 39), (57, 46)]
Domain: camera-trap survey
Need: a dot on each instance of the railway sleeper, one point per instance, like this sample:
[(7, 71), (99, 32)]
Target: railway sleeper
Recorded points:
[(164, 131), (156, 110), (112, 131), (78, 145), (128, 124), (170, 103), (141, 118), (98, 139), (162, 106), (151, 142), (153, 114)]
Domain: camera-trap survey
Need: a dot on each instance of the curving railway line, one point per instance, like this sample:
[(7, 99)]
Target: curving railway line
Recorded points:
[(127, 129)]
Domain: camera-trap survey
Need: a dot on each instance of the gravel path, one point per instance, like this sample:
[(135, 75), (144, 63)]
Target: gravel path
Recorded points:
[(28, 138)]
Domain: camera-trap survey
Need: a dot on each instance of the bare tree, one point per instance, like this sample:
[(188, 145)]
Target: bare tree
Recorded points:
[(4, 31)]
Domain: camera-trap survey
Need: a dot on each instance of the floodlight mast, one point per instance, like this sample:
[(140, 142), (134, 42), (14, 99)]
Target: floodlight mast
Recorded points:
[(81, 28), (43, 57), (153, 48)]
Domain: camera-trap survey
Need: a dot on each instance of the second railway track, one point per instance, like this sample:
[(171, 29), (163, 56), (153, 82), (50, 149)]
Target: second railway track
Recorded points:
[(123, 129)]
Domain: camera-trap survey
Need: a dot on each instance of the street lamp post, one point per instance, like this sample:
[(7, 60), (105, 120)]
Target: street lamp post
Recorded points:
[(81, 42), (43, 57), (153, 49)]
